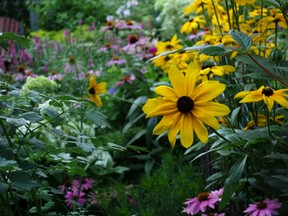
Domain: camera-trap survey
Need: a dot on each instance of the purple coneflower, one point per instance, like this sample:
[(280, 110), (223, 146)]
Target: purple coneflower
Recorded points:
[(266, 207)]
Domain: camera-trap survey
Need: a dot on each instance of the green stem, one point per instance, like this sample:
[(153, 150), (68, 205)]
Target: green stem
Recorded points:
[(235, 14), (11, 145), (219, 135), (216, 14), (276, 34), (228, 15), (207, 19)]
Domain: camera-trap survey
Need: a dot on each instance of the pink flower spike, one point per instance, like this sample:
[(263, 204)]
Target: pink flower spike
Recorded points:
[(266, 207)]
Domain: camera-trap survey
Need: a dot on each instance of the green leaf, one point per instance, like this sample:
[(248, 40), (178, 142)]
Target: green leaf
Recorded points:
[(4, 44), (22, 181), (16, 121), (18, 38), (6, 152), (32, 116), (242, 39), (98, 119), (6, 164), (234, 115), (232, 180), (278, 156), (214, 51), (3, 187)]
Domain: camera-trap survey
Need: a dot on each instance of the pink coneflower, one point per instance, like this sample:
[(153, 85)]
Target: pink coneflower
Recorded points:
[(214, 214), (56, 77), (87, 183), (72, 65), (199, 203), (75, 197), (116, 61), (127, 25), (127, 79), (263, 208), (217, 194)]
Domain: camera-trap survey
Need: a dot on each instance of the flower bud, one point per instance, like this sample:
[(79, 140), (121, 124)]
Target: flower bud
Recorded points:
[(276, 55)]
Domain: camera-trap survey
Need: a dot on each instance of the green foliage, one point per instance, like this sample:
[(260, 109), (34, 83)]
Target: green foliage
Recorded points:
[(41, 84), (162, 192)]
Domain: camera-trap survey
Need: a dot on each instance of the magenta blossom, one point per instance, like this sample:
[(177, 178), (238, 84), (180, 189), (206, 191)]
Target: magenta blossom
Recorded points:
[(263, 208), (75, 197), (87, 183), (217, 194), (199, 203), (214, 214)]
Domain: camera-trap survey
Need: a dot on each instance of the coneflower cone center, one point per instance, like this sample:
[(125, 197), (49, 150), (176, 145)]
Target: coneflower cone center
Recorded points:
[(203, 196), (267, 91), (92, 91), (185, 104), (261, 205)]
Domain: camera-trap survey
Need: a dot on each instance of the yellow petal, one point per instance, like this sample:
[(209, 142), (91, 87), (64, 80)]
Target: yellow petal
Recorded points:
[(280, 100), (268, 101), (200, 130), (177, 80), (207, 91), (217, 70), (173, 131), (191, 76), (186, 131), (167, 92), (167, 107), (165, 123), (210, 121), (241, 94), (151, 104), (255, 96), (101, 88), (210, 109)]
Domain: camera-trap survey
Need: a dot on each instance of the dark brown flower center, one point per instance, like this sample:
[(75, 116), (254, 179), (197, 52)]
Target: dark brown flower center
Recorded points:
[(267, 91), (203, 196), (169, 46), (185, 104), (261, 205), (92, 91), (167, 58), (132, 39)]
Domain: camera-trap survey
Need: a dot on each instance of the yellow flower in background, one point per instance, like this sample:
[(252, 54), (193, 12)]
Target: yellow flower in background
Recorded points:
[(192, 25), (182, 59), (95, 89), (262, 121), (244, 2), (208, 72), (173, 44), (275, 17), (185, 107), (198, 6), (164, 62), (267, 94)]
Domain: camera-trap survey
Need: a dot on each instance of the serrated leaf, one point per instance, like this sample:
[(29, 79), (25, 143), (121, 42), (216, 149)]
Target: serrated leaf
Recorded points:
[(232, 180), (242, 39), (98, 119)]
